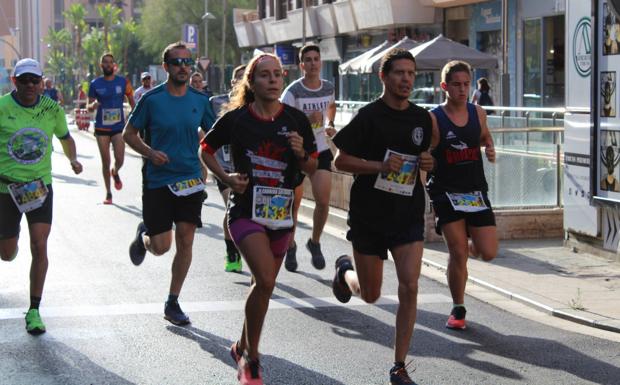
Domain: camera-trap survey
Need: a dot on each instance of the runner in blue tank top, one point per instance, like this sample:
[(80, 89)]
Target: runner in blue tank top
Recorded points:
[(457, 186), (106, 95)]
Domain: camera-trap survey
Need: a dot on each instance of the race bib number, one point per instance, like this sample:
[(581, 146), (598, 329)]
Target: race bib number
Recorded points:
[(28, 196), (467, 202), (186, 187), (272, 207), (403, 181), (111, 116)]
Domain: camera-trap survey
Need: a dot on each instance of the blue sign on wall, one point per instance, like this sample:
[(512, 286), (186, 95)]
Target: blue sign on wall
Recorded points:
[(286, 53), (488, 16), (190, 36)]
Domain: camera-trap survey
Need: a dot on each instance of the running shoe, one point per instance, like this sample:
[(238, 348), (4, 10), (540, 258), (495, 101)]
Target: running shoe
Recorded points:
[(399, 376), (34, 324), (234, 352), (290, 261), (249, 372), (457, 318), (339, 287), (318, 260), (174, 314), (118, 184), (137, 251), (108, 199), (233, 262)]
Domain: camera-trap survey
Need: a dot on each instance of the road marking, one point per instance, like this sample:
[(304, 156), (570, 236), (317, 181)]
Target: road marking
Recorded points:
[(209, 306)]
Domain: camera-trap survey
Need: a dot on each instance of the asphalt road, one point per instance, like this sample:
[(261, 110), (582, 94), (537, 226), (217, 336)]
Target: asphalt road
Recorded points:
[(105, 316)]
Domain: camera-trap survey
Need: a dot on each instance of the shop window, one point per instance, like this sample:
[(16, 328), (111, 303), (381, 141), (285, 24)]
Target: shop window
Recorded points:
[(281, 9), (532, 47), (543, 62)]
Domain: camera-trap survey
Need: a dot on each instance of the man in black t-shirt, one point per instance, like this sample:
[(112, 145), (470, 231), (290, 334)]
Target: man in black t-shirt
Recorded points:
[(385, 146)]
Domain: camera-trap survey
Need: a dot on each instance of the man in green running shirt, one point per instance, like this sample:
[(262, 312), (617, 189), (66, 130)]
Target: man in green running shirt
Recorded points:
[(27, 123)]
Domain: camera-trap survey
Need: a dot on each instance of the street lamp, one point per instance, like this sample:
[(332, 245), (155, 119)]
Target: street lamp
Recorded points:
[(206, 17)]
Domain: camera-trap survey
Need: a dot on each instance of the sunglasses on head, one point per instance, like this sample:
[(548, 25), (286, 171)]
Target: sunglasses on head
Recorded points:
[(25, 79), (178, 61)]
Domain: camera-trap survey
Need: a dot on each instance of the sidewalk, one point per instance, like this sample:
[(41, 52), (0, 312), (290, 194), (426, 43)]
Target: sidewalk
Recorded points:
[(540, 273)]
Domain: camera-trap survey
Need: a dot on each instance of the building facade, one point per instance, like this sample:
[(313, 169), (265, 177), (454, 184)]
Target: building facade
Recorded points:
[(527, 37)]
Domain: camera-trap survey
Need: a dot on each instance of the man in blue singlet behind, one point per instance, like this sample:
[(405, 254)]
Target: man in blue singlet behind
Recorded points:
[(163, 128), (107, 94)]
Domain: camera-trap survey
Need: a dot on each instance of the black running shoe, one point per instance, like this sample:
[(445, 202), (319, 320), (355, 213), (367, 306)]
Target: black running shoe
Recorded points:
[(137, 251), (318, 260), (399, 376), (290, 261), (174, 314), (339, 287)]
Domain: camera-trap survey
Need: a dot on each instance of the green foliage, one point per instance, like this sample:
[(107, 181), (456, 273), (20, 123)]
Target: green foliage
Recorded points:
[(162, 23)]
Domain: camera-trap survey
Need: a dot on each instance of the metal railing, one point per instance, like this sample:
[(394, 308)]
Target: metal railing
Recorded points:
[(528, 173)]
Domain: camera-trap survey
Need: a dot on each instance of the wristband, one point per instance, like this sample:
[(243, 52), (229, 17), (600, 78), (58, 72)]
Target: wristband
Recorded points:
[(331, 124)]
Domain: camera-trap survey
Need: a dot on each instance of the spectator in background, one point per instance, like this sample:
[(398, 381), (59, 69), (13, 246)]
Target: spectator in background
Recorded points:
[(52, 92), (81, 97), (482, 95), (197, 82), (145, 78)]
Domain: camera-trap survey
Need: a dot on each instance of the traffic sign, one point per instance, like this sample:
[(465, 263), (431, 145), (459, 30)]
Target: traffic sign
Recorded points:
[(190, 36)]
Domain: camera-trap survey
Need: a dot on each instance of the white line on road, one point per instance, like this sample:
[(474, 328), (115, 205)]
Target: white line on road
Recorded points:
[(209, 306)]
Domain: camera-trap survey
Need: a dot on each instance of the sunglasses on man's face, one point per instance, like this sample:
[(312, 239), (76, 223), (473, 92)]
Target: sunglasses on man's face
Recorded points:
[(179, 61), (24, 79)]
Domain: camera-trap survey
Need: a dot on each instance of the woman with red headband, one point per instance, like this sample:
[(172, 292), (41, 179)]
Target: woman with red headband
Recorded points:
[(271, 144)]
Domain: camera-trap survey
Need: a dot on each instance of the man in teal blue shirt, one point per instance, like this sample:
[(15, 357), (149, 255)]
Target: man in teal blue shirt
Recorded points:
[(163, 128)]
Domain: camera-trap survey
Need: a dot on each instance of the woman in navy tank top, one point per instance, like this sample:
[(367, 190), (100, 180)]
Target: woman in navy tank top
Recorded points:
[(457, 185)]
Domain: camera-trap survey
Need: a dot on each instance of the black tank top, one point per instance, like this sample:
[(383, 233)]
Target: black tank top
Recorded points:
[(459, 160)]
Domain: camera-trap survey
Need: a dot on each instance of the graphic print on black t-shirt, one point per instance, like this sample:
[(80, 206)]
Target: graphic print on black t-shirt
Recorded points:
[(268, 163)]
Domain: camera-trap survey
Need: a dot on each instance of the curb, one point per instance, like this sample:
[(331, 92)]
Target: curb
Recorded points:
[(338, 220)]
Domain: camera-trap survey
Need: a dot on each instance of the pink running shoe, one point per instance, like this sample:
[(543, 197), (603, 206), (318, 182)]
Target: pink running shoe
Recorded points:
[(249, 372), (457, 318)]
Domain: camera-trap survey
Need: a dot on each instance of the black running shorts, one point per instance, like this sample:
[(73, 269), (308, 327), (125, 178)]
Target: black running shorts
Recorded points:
[(161, 208), (371, 242), (10, 217), (445, 213), (325, 160)]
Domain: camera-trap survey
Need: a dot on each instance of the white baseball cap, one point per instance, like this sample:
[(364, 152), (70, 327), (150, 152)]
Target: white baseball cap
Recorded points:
[(27, 66), (145, 75)]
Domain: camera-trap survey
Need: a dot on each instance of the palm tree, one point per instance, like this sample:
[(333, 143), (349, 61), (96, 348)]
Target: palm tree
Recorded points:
[(111, 16), (75, 16)]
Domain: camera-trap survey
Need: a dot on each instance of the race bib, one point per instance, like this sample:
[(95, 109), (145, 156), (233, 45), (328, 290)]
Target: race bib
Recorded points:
[(320, 137), (403, 181), (467, 202), (226, 153), (111, 116), (28, 196), (186, 187), (272, 207)]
